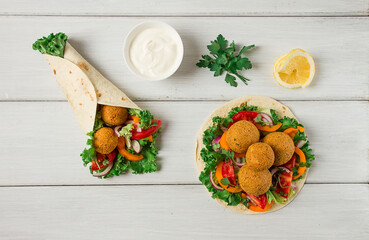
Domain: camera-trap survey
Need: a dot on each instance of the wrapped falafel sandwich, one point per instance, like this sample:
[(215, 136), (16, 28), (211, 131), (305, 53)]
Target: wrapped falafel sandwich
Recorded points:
[(121, 135), (253, 155)]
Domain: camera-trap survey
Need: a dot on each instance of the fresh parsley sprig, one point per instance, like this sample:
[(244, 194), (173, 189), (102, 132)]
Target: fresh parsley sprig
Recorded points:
[(224, 59)]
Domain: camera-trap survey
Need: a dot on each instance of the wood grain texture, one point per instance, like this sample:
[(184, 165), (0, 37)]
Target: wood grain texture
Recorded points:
[(338, 45), (177, 212), (188, 8), (41, 143)]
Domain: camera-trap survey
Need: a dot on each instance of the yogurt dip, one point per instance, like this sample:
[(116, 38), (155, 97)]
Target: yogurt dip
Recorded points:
[(155, 50)]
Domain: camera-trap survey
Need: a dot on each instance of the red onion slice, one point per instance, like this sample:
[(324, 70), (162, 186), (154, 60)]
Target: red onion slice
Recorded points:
[(240, 164), (117, 129), (301, 143), (136, 146), (223, 128), (135, 124), (248, 197), (213, 183), (267, 119), (294, 187), (128, 141), (274, 170), (216, 140), (106, 171)]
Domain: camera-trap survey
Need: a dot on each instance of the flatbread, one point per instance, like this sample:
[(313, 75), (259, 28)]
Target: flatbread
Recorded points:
[(222, 111), (85, 87)]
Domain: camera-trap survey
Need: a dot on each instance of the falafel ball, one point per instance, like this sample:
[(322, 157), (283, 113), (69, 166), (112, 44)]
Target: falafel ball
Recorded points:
[(241, 135), (254, 182), (114, 115), (105, 140), (259, 156), (282, 145)]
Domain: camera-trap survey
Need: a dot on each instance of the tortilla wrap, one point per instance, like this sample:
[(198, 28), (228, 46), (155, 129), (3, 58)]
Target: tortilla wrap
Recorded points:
[(85, 87), (222, 111)]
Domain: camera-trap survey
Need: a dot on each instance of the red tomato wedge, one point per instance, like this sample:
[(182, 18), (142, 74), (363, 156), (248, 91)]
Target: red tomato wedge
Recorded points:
[(244, 115), (146, 132), (260, 201), (228, 172), (285, 179), (291, 163), (100, 158)]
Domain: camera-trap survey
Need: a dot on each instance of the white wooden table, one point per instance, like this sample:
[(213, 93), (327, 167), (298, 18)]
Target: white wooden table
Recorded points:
[(46, 193)]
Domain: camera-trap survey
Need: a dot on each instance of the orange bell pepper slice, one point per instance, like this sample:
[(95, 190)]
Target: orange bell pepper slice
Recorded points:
[(135, 119), (292, 131), (224, 145), (122, 150), (255, 208), (223, 142), (151, 138), (300, 170), (267, 128), (219, 176)]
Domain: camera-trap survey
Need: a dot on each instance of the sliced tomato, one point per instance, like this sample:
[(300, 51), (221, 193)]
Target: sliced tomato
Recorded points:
[(146, 132), (228, 172), (260, 201), (291, 163), (284, 184), (244, 115), (100, 158)]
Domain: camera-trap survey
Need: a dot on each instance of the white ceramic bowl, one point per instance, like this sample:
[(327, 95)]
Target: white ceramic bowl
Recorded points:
[(138, 29)]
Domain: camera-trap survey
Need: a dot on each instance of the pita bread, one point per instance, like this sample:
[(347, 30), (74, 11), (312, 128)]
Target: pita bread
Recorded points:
[(222, 111), (85, 87)]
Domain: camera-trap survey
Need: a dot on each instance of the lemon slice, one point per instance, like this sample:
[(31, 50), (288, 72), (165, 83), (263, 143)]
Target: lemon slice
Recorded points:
[(295, 69)]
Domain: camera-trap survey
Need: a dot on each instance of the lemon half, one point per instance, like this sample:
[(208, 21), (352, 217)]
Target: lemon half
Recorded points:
[(295, 69)]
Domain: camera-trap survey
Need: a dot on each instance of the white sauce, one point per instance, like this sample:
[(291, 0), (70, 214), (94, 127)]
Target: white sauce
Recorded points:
[(153, 52)]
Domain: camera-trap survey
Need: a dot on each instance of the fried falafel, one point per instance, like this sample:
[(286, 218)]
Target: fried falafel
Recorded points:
[(282, 145), (254, 182), (259, 156), (241, 135), (105, 140), (114, 115)]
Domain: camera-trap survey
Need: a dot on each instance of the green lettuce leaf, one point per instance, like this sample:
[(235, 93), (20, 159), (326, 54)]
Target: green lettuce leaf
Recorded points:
[(53, 44)]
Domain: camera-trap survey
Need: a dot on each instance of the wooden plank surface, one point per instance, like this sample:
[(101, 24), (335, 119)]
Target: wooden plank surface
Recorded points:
[(323, 211), (188, 8), (41, 142), (339, 46), (46, 193)]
